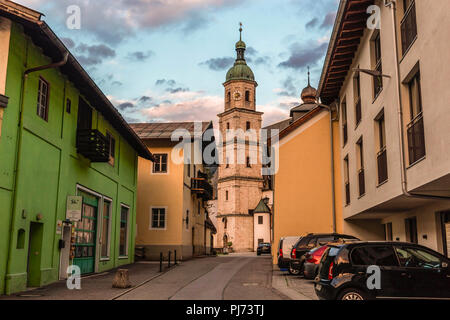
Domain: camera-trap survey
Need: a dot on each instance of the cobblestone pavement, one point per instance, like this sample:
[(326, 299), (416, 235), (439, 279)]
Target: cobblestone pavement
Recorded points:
[(295, 287)]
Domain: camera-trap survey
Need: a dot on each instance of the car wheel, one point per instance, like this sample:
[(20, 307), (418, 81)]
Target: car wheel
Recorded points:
[(352, 294), (293, 271)]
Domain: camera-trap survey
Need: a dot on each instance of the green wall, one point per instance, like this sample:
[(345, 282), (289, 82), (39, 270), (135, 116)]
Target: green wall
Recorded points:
[(49, 169)]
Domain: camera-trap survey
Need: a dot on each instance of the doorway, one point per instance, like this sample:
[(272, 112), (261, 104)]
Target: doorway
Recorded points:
[(411, 230), (445, 223), (193, 239), (35, 254), (86, 236)]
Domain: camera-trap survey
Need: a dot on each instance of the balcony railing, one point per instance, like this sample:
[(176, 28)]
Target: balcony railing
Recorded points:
[(416, 139), (409, 27), (347, 193), (382, 166), (358, 112), (345, 133), (362, 182), (202, 188), (93, 145)]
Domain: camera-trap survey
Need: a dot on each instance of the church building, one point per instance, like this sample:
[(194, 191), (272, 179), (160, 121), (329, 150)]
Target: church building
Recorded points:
[(243, 213)]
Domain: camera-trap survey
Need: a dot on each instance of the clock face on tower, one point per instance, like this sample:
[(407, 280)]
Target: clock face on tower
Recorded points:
[(237, 95)]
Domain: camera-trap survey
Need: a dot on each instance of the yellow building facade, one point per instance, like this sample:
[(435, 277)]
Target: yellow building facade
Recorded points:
[(306, 197), (172, 197)]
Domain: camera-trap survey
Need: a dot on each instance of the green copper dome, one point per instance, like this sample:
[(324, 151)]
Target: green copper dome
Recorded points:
[(240, 70)]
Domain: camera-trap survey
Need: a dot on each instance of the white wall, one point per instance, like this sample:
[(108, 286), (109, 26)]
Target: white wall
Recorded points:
[(261, 231)]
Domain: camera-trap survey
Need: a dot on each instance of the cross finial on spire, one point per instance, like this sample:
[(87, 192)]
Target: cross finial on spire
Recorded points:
[(240, 31), (309, 82)]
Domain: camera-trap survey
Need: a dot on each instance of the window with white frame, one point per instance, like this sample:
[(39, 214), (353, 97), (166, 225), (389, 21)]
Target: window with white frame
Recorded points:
[(160, 164), (158, 218)]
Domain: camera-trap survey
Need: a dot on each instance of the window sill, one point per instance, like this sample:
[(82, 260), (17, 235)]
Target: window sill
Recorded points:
[(416, 162), (123, 257), (104, 259), (361, 196), (357, 125)]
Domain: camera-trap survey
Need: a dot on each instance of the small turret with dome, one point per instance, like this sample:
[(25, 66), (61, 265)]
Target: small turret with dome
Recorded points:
[(309, 98), (240, 70)]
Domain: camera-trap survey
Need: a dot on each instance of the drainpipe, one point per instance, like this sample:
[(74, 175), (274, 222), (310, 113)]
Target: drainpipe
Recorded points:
[(392, 5), (333, 174), (19, 138)]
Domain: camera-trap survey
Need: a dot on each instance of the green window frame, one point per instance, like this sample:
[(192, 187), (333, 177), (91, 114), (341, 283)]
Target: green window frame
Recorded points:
[(106, 229), (123, 234)]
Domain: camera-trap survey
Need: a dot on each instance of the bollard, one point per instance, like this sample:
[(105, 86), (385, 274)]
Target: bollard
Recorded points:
[(160, 262), (175, 258), (169, 257)]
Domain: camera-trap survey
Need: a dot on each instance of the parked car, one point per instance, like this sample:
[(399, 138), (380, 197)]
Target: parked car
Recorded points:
[(406, 271), (264, 247), (284, 251), (313, 257), (312, 260), (310, 242)]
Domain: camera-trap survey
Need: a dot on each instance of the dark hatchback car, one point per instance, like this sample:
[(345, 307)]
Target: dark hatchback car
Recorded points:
[(264, 248), (406, 271), (309, 242)]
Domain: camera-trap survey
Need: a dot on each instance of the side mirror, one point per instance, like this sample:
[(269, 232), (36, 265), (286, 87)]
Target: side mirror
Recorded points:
[(444, 265)]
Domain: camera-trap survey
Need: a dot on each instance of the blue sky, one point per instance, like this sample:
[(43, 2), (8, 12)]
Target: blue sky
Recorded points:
[(166, 60)]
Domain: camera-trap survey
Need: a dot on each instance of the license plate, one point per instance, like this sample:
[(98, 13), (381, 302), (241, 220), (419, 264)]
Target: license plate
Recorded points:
[(318, 287)]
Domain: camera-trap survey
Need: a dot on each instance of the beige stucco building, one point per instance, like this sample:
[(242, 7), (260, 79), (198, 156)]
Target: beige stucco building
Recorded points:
[(392, 87), (240, 181), (5, 31), (172, 195)]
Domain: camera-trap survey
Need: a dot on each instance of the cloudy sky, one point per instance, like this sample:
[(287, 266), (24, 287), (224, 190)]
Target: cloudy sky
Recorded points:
[(166, 60)]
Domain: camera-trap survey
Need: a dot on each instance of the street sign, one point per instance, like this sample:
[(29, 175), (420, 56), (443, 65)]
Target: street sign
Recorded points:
[(74, 207)]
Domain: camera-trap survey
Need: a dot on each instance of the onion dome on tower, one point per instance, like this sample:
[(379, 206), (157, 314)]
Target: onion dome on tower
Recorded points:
[(309, 99), (240, 70)]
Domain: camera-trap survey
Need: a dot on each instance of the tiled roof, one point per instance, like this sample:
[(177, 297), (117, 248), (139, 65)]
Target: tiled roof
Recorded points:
[(164, 130)]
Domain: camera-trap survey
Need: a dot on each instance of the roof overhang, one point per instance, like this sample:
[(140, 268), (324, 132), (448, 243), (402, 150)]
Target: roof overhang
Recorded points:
[(351, 20), (43, 36)]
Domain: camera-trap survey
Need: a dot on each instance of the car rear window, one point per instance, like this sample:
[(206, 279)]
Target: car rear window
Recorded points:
[(374, 255)]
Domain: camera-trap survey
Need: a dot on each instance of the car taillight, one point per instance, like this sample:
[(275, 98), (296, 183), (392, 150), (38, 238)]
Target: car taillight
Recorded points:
[(281, 252), (330, 271), (294, 254)]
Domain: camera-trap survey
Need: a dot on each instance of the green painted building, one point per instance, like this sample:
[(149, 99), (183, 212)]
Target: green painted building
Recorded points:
[(65, 154)]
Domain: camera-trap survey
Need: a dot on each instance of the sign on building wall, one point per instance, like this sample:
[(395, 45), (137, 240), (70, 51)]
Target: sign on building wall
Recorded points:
[(74, 207)]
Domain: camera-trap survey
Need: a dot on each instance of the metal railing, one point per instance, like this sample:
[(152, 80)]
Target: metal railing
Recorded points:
[(416, 139), (92, 144), (358, 113), (347, 193), (382, 166), (409, 27), (202, 187), (362, 182)]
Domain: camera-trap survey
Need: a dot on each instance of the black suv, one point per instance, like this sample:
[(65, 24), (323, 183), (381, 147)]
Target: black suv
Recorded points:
[(346, 272), (264, 248), (309, 242)]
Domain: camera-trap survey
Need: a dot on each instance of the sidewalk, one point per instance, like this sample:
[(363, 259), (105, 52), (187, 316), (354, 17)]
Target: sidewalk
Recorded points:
[(94, 287), (294, 287)]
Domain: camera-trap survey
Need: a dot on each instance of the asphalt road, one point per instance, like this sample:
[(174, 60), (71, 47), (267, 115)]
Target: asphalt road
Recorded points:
[(232, 277)]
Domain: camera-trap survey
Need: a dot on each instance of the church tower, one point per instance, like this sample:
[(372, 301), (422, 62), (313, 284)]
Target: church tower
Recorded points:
[(240, 178)]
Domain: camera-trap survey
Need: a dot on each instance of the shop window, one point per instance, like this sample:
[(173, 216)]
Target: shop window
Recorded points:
[(106, 229), (123, 244)]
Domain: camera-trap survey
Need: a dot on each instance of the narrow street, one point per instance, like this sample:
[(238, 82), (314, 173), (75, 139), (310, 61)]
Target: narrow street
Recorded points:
[(234, 277)]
